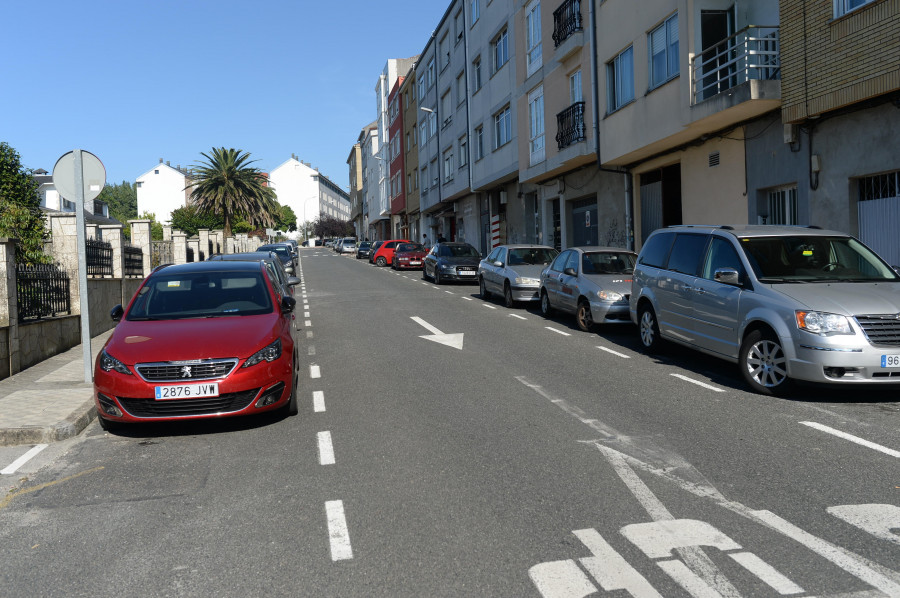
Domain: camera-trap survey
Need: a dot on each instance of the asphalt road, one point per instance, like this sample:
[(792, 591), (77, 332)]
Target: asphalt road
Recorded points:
[(448, 446)]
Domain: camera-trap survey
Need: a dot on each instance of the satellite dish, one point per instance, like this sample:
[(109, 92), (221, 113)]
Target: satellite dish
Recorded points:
[(94, 176)]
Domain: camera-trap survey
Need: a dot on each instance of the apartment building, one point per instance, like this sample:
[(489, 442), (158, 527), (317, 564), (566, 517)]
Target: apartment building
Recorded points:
[(354, 165), (396, 152), (371, 166), (410, 114), (309, 193)]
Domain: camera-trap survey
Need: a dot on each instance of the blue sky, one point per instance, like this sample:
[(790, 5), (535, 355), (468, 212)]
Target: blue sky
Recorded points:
[(133, 82)]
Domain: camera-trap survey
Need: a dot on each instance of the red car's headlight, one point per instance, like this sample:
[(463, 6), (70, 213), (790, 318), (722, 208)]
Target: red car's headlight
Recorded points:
[(268, 353)]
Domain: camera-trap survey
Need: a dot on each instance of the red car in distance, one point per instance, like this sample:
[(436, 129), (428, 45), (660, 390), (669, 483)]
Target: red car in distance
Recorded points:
[(408, 256), (384, 255), (199, 340)]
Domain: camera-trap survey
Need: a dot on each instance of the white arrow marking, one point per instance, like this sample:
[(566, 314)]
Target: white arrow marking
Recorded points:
[(451, 340)]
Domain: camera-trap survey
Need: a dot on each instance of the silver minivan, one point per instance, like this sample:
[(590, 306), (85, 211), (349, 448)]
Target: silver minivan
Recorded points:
[(783, 302)]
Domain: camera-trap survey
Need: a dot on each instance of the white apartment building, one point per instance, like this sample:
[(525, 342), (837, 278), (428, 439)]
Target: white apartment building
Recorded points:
[(308, 192), (162, 190)]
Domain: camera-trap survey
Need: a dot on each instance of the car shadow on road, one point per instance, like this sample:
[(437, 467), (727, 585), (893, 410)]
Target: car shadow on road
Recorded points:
[(200, 427)]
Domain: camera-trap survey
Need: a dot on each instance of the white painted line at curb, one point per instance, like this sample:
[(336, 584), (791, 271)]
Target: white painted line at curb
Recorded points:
[(15, 465), (851, 438), (318, 401), (326, 449), (488, 306), (467, 298), (307, 323), (616, 353), (551, 329), (315, 372), (338, 534), (697, 382)]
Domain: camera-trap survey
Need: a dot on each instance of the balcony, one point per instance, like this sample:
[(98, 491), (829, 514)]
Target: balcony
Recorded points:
[(751, 54), (570, 125), (566, 21)]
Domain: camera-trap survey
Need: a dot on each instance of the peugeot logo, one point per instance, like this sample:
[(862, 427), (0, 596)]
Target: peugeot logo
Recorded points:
[(186, 371)]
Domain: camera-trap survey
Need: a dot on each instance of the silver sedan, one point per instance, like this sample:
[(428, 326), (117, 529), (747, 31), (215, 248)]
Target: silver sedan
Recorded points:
[(593, 283), (513, 272)]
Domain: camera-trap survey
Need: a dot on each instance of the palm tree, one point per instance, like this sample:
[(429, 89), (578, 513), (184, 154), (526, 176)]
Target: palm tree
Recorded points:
[(226, 184)]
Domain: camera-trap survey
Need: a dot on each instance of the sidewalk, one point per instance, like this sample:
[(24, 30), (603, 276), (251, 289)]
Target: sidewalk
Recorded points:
[(49, 401)]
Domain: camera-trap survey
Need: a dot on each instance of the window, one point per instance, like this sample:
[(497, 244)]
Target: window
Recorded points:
[(502, 127), (881, 186), (422, 88), (476, 10), (432, 124), (448, 165), (656, 250), (536, 125), (433, 168), (423, 133), (533, 36), (842, 7), (460, 88), (575, 92), (500, 50), (479, 143), (620, 84), (429, 74), (445, 50), (664, 51), (721, 255), (782, 204), (458, 25), (463, 151), (446, 109), (686, 253), (476, 74), (407, 143)]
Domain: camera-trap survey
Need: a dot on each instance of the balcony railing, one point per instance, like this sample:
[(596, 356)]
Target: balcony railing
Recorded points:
[(566, 21), (570, 125), (751, 53)]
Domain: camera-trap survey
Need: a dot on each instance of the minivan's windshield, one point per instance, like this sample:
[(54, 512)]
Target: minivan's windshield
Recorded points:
[(813, 258), (201, 295)]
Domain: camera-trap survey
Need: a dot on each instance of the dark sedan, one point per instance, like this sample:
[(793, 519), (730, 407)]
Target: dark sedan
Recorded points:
[(451, 262), (284, 254), (363, 250)]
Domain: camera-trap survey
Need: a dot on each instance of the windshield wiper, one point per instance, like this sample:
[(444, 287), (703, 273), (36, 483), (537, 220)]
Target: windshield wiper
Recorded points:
[(141, 319)]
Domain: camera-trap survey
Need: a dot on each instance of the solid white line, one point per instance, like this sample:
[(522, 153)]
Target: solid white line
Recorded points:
[(337, 531), (326, 449), (557, 331), (517, 316), (767, 573), (425, 325), (315, 372), (851, 438), (622, 355), (697, 382), (318, 401), (15, 465)]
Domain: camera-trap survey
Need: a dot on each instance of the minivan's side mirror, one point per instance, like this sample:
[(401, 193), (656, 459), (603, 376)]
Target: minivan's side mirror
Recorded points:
[(293, 281), (727, 276), (289, 270), (498, 263), (288, 304), (570, 272), (117, 312)]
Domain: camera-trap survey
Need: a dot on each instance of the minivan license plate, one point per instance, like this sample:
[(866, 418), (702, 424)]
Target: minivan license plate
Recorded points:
[(890, 361), (187, 391)]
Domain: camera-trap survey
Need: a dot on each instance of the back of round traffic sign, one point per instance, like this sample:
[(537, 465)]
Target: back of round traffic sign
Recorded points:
[(94, 175)]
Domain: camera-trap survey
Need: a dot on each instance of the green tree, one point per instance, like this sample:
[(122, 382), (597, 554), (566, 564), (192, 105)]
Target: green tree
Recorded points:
[(228, 185), (20, 211), (286, 220), (121, 199), (329, 226), (189, 219)]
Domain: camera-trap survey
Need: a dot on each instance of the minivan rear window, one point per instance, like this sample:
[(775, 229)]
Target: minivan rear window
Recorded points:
[(687, 252), (656, 250)]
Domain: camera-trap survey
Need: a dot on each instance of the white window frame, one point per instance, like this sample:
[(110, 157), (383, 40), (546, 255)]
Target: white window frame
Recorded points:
[(449, 170), (461, 88), (500, 50), (430, 74), (617, 95), (576, 91), (536, 126), (476, 74), (502, 127), (479, 143), (842, 7), (463, 145), (784, 201), (475, 9), (663, 40), (444, 49), (533, 48)]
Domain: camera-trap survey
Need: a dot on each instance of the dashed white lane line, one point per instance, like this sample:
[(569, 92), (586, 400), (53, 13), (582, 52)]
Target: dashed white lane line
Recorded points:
[(468, 298), (489, 306), (851, 438), (551, 329), (338, 534), (318, 401), (306, 314), (309, 334), (311, 350), (315, 372), (15, 465), (616, 353), (517, 316), (698, 383), (450, 292), (326, 449), (307, 323)]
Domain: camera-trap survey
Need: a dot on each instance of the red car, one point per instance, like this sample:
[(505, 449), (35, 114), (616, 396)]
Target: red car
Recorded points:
[(199, 340), (408, 256), (385, 254)]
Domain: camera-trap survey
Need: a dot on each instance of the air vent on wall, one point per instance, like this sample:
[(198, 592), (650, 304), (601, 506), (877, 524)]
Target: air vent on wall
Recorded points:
[(714, 159)]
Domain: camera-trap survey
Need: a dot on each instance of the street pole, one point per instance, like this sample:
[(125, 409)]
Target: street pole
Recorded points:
[(82, 268)]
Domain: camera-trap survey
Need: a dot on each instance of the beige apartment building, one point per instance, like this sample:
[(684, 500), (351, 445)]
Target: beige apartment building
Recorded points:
[(410, 110), (354, 163)]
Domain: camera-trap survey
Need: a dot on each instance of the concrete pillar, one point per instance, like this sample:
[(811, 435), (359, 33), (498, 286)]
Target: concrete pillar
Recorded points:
[(203, 233), (90, 231), (140, 237), (563, 223), (112, 234), (194, 244), (179, 247), (229, 245), (167, 232), (219, 240), (9, 311)]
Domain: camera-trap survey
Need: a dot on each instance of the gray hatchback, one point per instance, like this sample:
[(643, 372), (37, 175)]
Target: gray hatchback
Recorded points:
[(784, 303)]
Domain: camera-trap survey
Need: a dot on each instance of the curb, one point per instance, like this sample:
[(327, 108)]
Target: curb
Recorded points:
[(70, 427)]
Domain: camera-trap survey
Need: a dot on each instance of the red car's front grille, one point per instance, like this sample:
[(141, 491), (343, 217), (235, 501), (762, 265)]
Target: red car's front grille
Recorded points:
[(226, 403)]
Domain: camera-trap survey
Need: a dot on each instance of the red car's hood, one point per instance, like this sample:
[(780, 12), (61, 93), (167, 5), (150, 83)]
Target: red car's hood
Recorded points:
[(195, 338)]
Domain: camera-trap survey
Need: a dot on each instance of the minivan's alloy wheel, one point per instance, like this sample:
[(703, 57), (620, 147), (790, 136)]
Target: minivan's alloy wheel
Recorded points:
[(583, 316), (507, 295), (437, 275), (482, 290), (763, 363), (546, 309), (381, 261), (649, 329)]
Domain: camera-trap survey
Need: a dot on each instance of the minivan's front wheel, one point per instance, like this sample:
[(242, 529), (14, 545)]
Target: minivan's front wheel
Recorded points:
[(763, 363), (649, 329)]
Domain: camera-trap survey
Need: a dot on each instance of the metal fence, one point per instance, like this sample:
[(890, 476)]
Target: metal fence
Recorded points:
[(134, 261), (751, 53), (161, 253), (42, 291), (190, 254), (99, 257)]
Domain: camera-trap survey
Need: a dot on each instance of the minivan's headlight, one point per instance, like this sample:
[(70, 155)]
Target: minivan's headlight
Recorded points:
[(267, 353), (108, 362), (823, 323), (610, 296)]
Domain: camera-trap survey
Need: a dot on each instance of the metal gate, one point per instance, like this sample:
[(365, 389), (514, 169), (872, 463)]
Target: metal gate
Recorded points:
[(160, 253), (651, 209), (878, 223)]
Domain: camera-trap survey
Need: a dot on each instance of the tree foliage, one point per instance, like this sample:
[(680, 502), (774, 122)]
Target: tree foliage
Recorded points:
[(189, 220), (329, 226), (286, 219), (228, 185), (121, 199), (20, 212)]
